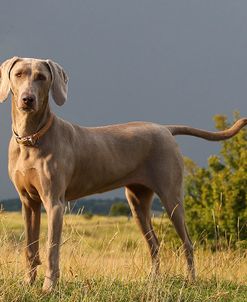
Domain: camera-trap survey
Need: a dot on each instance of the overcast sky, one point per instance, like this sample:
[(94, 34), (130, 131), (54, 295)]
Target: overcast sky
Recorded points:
[(163, 61)]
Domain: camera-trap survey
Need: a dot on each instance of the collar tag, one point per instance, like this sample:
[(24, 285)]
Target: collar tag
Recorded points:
[(27, 141)]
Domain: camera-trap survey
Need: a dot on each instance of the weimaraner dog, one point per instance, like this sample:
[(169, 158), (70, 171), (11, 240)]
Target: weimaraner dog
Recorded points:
[(52, 161)]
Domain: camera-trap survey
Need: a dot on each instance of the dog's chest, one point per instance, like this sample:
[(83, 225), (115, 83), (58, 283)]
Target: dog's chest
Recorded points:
[(23, 159), (24, 165), (28, 181)]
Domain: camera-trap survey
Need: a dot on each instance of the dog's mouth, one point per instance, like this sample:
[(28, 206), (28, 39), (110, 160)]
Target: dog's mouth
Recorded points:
[(26, 109)]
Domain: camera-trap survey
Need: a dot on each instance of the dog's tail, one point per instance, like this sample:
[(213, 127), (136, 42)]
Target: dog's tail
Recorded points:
[(208, 135)]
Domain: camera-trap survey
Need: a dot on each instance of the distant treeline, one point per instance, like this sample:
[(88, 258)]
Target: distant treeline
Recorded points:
[(94, 206)]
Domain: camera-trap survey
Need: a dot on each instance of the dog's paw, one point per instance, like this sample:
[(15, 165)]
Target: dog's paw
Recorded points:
[(30, 277), (49, 284)]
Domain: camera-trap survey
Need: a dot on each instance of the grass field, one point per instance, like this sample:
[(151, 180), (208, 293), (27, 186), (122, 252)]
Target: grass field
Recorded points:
[(106, 259)]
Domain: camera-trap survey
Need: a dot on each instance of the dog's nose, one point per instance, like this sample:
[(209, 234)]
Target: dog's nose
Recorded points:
[(28, 99)]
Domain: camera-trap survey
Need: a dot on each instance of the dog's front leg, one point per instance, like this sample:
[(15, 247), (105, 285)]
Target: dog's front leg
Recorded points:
[(55, 211), (31, 212)]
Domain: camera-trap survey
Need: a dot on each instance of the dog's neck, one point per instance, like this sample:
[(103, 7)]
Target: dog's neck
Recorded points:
[(28, 123)]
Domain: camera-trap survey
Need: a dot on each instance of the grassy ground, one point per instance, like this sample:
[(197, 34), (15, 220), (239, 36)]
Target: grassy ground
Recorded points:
[(106, 259)]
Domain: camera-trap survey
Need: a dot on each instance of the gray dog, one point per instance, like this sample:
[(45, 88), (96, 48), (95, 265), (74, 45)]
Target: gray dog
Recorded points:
[(52, 161)]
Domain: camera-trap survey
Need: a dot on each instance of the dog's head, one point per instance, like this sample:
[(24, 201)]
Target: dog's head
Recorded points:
[(30, 81)]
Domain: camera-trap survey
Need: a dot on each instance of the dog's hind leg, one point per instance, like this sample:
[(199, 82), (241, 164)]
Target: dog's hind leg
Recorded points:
[(174, 207), (140, 200)]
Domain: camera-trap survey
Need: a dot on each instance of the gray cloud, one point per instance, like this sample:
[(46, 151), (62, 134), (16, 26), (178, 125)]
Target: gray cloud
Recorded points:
[(162, 61)]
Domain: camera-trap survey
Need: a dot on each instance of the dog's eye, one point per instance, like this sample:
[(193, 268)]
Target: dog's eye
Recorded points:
[(18, 74), (40, 77)]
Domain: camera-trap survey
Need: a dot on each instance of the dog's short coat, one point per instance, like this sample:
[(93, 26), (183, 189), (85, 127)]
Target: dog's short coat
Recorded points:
[(51, 161)]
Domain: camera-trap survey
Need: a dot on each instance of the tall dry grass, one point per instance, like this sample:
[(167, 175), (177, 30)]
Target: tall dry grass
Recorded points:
[(106, 259)]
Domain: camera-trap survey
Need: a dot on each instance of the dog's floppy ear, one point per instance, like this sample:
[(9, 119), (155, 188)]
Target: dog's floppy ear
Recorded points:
[(5, 69), (59, 84)]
